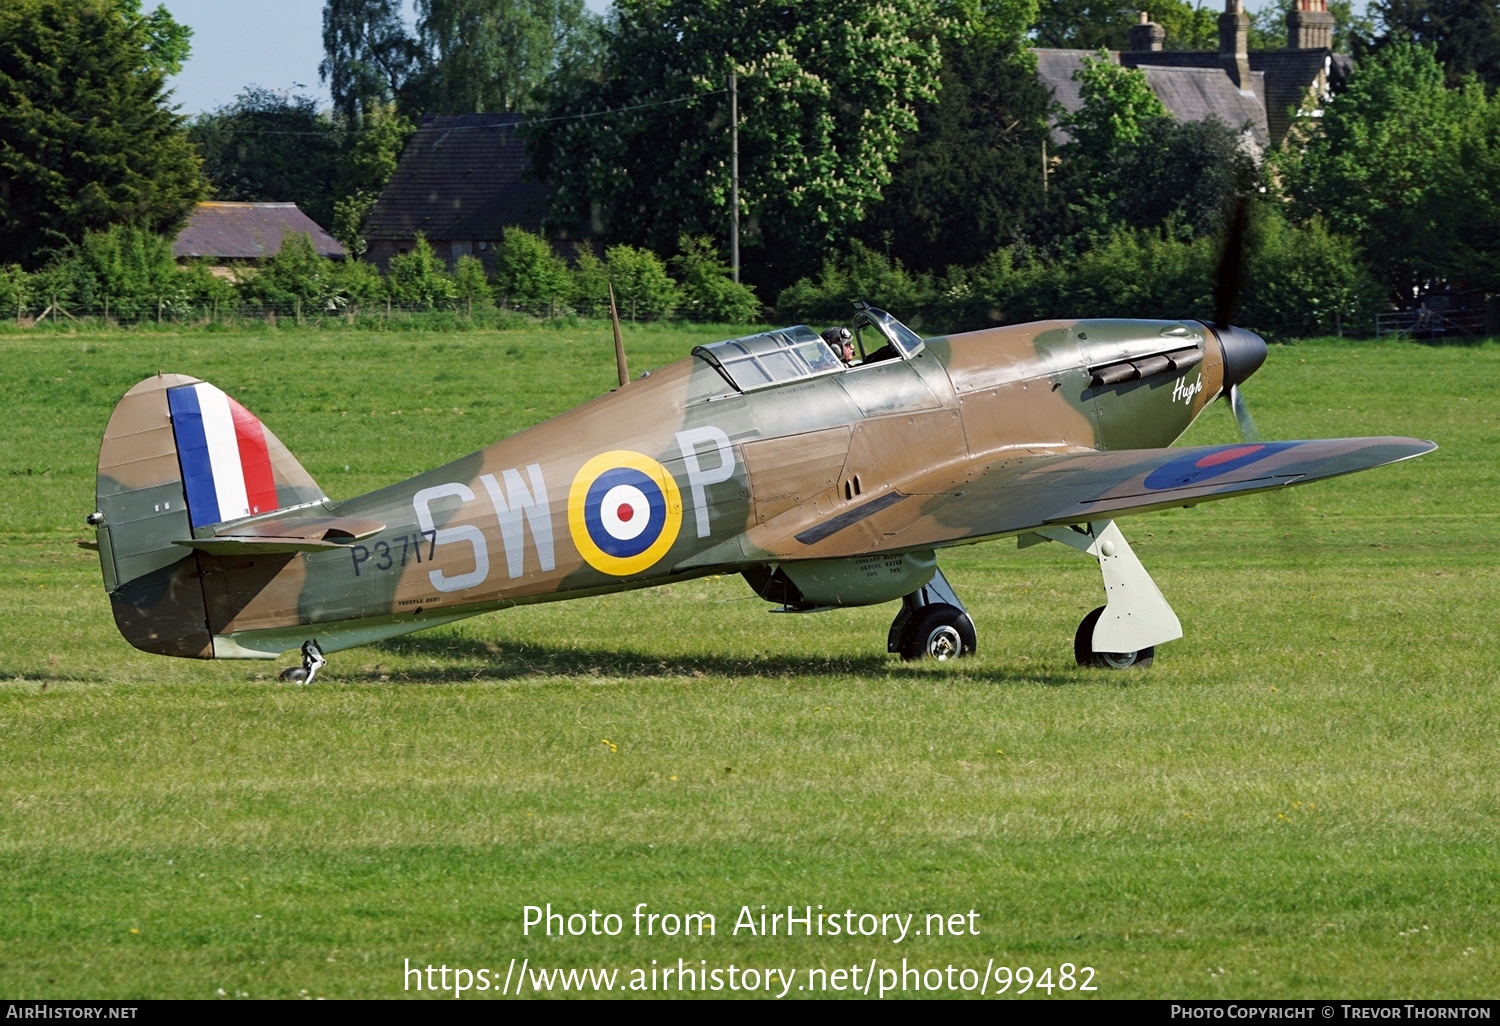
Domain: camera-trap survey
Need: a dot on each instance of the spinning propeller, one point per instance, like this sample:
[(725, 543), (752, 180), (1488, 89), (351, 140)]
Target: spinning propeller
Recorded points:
[(1244, 351)]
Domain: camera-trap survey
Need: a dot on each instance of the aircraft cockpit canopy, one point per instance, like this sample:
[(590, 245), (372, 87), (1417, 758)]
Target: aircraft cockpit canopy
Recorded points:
[(791, 354), (771, 358)]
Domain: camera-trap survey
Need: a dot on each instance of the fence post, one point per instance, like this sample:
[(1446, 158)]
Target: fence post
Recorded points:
[(106, 308), (158, 309)]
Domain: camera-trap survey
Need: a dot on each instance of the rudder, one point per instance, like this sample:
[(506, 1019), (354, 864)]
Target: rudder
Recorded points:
[(178, 457)]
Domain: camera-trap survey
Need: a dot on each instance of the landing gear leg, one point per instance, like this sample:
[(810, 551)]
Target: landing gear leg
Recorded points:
[(312, 662), (932, 624), (1137, 618)]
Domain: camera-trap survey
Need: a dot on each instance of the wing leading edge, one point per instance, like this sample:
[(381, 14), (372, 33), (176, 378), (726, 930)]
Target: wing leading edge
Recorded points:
[(1020, 492)]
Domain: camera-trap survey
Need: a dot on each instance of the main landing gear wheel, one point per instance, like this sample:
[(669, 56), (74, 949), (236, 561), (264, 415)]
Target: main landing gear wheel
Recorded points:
[(1083, 649), (940, 632)]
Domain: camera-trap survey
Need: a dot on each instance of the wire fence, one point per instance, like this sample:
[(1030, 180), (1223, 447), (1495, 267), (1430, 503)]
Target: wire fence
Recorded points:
[(1433, 324), (204, 313)]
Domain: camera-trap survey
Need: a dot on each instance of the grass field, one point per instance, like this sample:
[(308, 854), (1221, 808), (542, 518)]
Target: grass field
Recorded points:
[(1300, 798)]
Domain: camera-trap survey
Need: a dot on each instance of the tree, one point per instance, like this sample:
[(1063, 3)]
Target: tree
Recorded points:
[(1464, 34), (418, 277), (127, 268), (1117, 101), (827, 88), (708, 291), (1303, 281), (642, 286), (272, 147), (1092, 24), (970, 179), (1182, 173), (14, 290), (1466, 205), (369, 57), (367, 166), (1352, 31), (87, 134), (527, 272), (493, 55), (987, 22), (466, 56), (1390, 161), (356, 282), (857, 272), (470, 284), (168, 41), (296, 276)]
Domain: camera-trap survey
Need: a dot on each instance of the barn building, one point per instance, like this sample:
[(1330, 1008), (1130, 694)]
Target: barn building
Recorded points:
[(238, 233), (462, 179)]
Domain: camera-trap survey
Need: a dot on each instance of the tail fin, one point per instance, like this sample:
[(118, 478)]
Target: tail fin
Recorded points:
[(232, 467), (178, 457)]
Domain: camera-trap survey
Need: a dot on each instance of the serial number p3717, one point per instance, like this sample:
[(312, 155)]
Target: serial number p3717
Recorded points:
[(392, 554)]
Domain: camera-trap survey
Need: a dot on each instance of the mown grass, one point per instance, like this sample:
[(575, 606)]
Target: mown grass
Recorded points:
[(1299, 799)]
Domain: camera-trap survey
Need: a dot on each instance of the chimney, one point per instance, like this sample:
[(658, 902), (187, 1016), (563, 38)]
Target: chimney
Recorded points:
[(1234, 43), (1148, 36), (1309, 26)]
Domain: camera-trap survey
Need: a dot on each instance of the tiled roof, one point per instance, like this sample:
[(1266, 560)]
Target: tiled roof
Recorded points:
[(1191, 93), (1197, 94), (1288, 73), (462, 176), (247, 230)]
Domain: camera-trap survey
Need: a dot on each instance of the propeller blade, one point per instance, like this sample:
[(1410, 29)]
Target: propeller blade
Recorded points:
[(1242, 414), (621, 368), (1229, 278)]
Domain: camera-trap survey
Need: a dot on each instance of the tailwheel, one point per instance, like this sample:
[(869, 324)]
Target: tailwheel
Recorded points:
[(938, 631), (1084, 654), (312, 662)]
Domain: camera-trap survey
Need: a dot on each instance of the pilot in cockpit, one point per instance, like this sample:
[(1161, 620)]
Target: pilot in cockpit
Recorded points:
[(841, 341)]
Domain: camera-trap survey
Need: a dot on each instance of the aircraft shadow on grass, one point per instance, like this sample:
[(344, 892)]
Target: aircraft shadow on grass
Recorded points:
[(509, 660)]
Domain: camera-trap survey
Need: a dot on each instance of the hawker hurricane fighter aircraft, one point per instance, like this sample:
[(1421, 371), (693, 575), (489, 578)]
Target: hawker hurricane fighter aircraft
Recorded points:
[(825, 483)]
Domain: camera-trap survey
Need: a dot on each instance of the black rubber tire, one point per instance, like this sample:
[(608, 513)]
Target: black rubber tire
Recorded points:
[(1084, 654), (293, 675), (940, 632)]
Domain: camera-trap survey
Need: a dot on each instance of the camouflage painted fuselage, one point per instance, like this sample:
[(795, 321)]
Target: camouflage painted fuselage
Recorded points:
[(851, 480)]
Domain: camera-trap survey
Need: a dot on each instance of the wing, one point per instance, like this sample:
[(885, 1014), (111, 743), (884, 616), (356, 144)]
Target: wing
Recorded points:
[(1017, 492)]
